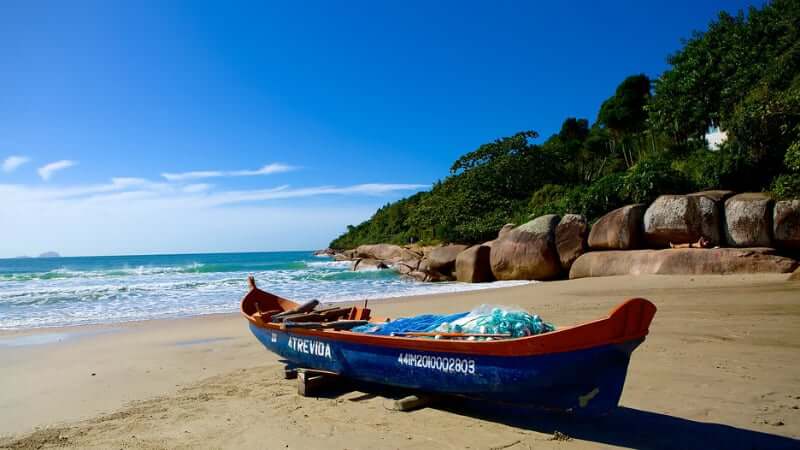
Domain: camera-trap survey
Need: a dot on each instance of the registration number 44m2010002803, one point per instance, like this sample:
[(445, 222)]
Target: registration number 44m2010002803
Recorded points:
[(441, 363)]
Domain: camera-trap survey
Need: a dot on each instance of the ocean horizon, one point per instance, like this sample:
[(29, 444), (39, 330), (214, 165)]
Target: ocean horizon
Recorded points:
[(82, 290)]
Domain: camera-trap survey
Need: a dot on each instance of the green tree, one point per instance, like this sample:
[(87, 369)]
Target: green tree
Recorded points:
[(624, 115), (485, 189)]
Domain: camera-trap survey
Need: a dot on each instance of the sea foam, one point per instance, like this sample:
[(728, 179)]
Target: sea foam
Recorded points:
[(79, 291)]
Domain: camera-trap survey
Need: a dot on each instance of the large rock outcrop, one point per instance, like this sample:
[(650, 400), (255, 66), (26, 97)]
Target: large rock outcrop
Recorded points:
[(748, 220), (379, 251), (407, 266), (346, 255), (718, 195), (385, 252), (620, 229), (442, 260), (681, 261), (361, 264), (418, 270), (523, 255), (506, 229), (786, 224), (680, 219), (325, 252), (571, 234), (473, 265), (541, 225)]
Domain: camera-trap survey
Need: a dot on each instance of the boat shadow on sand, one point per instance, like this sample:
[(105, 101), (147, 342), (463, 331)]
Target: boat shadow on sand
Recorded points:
[(625, 427)]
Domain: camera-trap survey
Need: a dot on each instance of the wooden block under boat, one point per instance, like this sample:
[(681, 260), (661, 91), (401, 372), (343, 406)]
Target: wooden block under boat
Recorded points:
[(311, 382), (412, 402)]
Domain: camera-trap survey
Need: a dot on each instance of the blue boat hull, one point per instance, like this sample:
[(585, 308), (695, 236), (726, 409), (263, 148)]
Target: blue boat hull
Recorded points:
[(586, 381)]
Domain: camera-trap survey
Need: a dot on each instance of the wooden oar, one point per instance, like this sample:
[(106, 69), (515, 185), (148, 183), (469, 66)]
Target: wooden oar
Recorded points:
[(344, 324), (311, 325), (305, 307), (337, 325), (335, 313), (303, 317), (327, 310)]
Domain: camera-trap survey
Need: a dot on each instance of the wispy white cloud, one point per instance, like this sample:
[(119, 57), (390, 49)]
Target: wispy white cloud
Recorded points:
[(48, 170), (199, 194), (85, 191), (184, 176), (195, 175), (265, 170), (283, 192), (198, 187), (11, 163), (161, 216), (125, 182)]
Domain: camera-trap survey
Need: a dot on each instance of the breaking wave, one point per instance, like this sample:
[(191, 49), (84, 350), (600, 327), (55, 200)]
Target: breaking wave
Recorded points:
[(77, 291)]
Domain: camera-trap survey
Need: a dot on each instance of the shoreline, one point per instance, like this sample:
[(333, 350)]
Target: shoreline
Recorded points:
[(400, 299), (747, 325), (227, 304), (67, 329)]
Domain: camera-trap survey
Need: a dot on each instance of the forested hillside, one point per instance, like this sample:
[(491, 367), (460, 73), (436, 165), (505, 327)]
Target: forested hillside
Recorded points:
[(742, 75)]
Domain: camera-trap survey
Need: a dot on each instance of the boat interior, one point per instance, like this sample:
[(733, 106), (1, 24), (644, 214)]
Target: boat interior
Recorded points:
[(263, 308)]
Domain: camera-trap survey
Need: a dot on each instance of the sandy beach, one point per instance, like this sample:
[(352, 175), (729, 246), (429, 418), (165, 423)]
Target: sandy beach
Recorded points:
[(720, 369)]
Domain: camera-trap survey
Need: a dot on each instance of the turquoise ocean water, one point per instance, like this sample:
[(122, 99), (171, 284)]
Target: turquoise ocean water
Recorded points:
[(48, 292)]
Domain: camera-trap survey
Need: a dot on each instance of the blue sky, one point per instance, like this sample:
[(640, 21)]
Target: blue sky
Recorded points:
[(278, 124)]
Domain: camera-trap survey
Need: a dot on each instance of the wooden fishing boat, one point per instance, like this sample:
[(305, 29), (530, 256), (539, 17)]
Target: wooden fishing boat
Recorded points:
[(579, 369)]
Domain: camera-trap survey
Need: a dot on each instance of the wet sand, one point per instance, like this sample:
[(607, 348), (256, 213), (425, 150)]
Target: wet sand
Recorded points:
[(720, 369)]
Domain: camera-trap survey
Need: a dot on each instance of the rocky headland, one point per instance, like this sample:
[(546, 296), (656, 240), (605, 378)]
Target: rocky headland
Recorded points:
[(714, 232)]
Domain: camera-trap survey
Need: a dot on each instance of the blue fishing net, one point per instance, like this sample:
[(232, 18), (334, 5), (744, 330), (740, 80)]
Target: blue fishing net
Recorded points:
[(485, 319), (425, 322)]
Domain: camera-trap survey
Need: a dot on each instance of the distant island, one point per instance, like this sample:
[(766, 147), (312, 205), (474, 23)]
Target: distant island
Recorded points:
[(50, 255)]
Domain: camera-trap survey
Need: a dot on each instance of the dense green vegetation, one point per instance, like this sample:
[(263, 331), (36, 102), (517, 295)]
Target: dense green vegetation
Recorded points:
[(742, 75)]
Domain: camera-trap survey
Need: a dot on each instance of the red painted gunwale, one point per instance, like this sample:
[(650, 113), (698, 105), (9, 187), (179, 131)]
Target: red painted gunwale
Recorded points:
[(628, 321)]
